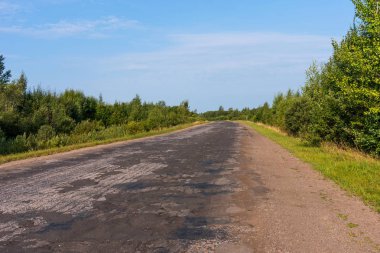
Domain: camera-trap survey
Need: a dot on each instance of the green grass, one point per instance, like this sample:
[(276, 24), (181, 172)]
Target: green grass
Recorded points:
[(353, 171), (44, 152), (343, 216), (352, 225)]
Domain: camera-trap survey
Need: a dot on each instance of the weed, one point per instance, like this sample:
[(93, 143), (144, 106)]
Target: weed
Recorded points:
[(343, 216), (352, 225)]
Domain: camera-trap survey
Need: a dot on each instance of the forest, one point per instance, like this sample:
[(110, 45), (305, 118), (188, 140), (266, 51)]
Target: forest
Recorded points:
[(340, 100), (34, 119)]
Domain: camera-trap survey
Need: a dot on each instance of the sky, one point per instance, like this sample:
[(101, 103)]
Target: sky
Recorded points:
[(234, 53)]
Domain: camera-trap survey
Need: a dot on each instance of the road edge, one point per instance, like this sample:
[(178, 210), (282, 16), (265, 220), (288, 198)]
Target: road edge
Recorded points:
[(91, 146)]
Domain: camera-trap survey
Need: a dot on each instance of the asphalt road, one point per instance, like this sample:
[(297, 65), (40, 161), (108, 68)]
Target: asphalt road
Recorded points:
[(162, 194), (213, 188)]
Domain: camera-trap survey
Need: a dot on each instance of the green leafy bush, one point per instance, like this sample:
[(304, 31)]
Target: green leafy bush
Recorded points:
[(19, 144), (134, 127), (86, 126), (44, 134), (298, 116)]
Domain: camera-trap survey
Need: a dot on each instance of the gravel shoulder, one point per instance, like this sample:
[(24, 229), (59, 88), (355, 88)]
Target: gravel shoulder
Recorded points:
[(303, 211)]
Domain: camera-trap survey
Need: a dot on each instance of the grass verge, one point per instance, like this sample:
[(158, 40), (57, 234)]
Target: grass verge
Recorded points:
[(44, 152), (353, 171)]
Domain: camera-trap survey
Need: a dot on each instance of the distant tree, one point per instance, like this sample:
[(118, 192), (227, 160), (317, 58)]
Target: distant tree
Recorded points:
[(5, 75), (135, 109)]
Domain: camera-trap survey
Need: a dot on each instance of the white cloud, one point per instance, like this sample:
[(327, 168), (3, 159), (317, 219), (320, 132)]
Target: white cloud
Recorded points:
[(210, 53), (89, 28), (243, 39), (7, 8)]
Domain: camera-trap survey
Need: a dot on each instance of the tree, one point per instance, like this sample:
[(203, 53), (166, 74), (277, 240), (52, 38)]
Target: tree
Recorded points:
[(135, 111), (12, 96), (74, 101), (298, 116), (5, 75), (352, 78), (156, 118)]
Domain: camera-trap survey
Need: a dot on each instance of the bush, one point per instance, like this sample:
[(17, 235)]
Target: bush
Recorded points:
[(45, 133), (55, 141), (368, 139), (311, 136), (64, 125), (134, 127), (32, 142), (19, 144), (87, 126), (298, 116), (64, 140)]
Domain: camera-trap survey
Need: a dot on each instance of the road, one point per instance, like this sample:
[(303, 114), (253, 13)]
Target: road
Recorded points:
[(218, 187)]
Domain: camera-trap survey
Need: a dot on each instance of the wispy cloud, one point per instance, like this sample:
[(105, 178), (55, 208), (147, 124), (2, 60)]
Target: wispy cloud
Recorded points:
[(87, 28), (228, 51), (244, 39), (7, 8)]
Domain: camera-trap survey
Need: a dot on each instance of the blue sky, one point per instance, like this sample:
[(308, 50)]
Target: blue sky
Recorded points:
[(235, 53)]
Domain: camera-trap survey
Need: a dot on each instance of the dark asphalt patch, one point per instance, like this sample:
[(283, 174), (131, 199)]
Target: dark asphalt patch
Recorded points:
[(77, 184), (133, 186), (199, 233)]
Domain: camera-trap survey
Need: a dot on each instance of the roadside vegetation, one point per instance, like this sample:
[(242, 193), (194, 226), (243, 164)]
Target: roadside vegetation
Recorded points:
[(36, 119), (355, 172), (340, 101), (125, 137)]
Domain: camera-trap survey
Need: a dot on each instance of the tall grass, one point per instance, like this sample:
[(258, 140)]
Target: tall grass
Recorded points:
[(106, 138), (353, 171)]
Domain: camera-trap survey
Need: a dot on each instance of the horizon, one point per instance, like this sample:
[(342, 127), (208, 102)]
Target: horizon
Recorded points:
[(213, 54)]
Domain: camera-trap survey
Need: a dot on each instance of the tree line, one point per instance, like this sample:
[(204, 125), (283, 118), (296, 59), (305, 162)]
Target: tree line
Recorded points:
[(340, 101), (32, 119)]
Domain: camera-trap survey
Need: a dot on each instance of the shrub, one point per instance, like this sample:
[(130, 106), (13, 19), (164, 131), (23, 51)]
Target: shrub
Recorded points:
[(368, 139), (55, 141), (45, 133), (87, 126), (134, 127), (32, 142), (64, 125), (298, 116), (19, 144)]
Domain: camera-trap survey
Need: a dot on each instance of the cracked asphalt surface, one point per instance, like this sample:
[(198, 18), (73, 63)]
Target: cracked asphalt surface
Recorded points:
[(162, 194), (217, 187)]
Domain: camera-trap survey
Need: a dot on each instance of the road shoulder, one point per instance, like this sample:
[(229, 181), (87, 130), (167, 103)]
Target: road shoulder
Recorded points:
[(303, 211)]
